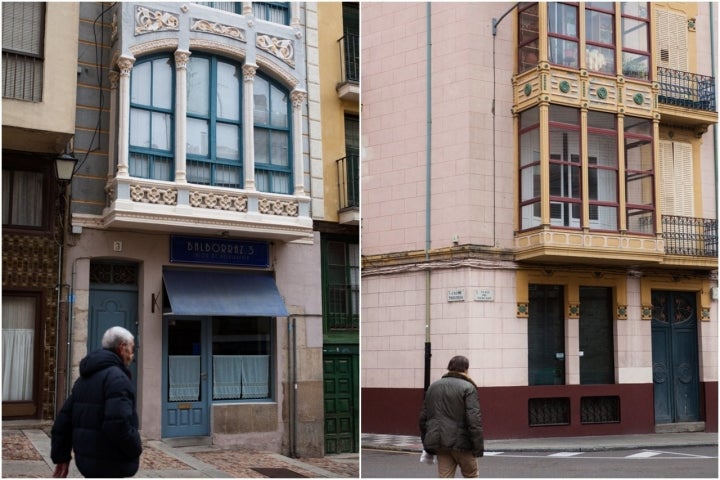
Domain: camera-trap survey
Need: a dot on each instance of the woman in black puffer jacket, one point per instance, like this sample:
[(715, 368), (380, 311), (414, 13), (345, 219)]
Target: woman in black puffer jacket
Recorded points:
[(450, 421), (99, 420)]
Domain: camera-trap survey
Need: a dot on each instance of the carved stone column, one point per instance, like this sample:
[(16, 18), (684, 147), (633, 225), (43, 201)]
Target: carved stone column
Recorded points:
[(248, 123), (125, 64), (298, 99), (181, 60), (112, 149)]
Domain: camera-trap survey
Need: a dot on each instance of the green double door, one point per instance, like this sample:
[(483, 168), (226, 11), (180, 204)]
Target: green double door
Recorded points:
[(340, 389), (676, 384)]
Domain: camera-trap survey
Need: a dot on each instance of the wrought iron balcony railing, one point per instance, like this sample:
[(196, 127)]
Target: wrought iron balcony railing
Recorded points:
[(350, 57), (690, 236), (685, 89), (348, 181)]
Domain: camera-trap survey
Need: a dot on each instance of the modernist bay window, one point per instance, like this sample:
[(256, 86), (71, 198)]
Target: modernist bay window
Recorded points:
[(635, 40), (600, 37), (577, 178), (216, 150)]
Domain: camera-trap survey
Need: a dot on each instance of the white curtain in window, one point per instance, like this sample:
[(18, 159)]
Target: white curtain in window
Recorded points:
[(227, 370), (18, 336), (255, 376), (184, 373), (27, 198)]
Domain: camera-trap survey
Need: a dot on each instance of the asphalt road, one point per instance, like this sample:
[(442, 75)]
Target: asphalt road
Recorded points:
[(685, 462)]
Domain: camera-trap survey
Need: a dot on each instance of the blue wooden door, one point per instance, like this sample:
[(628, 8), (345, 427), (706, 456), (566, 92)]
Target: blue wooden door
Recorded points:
[(186, 396), (112, 307), (675, 357)]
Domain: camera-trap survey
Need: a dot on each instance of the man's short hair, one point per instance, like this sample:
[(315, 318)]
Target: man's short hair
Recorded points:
[(115, 336), (458, 364)]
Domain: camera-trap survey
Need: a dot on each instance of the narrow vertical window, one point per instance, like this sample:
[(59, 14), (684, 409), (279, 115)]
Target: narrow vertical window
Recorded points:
[(151, 119), (342, 279), (600, 37), (528, 37), (18, 336), (565, 167), (563, 34), (639, 176), (273, 171), (530, 168), (23, 28), (602, 171), (635, 40)]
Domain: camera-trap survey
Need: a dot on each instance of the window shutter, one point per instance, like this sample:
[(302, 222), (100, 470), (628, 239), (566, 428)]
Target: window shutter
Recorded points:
[(676, 169), (671, 40), (683, 178), (22, 27)]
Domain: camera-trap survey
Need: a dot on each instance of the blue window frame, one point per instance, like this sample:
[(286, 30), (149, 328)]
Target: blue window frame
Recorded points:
[(214, 122), (273, 152), (276, 12), (152, 118)]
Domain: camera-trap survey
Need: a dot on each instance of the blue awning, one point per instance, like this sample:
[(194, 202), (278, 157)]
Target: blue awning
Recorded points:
[(219, 293)]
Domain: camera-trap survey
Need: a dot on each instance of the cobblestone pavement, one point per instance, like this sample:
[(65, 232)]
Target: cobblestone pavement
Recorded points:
[(26, 454)]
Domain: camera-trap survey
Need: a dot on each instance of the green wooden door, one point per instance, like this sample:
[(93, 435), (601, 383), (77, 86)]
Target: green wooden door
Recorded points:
[(546, 335), (341, 386)]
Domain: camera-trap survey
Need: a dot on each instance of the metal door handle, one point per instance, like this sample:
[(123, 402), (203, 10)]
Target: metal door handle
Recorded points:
[(203, 376)]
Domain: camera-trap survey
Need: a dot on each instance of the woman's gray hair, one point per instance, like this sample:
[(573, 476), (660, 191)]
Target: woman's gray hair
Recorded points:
[(115, 336)]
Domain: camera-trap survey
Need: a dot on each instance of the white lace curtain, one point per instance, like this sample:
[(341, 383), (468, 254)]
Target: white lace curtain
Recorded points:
[(184, 373), (241, 376), (18, 336)]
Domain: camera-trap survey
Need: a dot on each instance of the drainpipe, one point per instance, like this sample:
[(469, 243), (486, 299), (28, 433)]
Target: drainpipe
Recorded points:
[(292, 384), (715, 129), (428, 190)]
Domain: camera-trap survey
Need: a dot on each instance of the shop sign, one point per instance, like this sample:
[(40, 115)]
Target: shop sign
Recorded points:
[(219, 251)]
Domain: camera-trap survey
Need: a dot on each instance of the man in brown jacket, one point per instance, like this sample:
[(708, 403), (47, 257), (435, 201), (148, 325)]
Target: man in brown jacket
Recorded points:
[(450, 421)]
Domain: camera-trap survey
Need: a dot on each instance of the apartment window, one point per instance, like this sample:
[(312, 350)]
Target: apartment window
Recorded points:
[(565, 167), (23, 198), (231, 7), (635, 40), (528, 37), (530, 168), (600, 37), (639, 176), (602, 171), (676, 170), (341, 278), (272, 137), (19, 325), (214, 113), (152, 119), (23, 26), (276, 12), (563, 34)]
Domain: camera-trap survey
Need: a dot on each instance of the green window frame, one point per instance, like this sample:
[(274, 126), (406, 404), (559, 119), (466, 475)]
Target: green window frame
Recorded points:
[(272, 117), (152, 118), (341, 286), (214, 122)]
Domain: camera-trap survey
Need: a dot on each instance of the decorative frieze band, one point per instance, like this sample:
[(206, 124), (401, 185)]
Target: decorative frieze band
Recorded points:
[(233, 203), (162, 196), (285, 208), (218, 29), (279, 47), (149, 21)]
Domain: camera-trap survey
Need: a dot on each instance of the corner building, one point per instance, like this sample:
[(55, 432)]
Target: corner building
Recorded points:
[(564, 236), (193, 203)]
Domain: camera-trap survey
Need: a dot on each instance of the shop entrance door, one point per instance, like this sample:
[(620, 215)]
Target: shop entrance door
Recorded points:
[(186, 398), (675, 357)]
